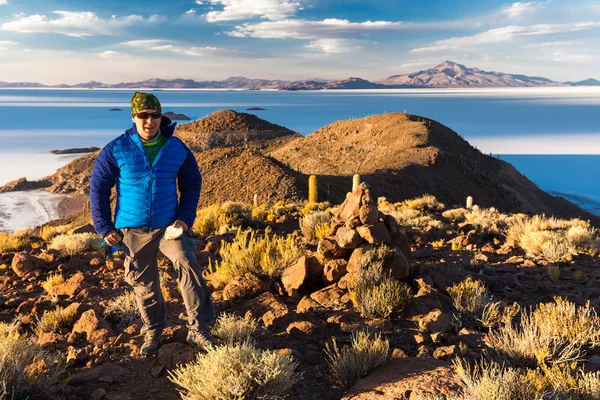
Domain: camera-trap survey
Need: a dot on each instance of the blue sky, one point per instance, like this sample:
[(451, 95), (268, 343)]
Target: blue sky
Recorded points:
[(54, 41)]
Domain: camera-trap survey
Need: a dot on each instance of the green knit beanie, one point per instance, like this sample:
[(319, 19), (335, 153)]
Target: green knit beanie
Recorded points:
[(144, 101)]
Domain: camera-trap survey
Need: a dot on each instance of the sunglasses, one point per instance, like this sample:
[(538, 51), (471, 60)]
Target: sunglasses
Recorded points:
[(145, 115)]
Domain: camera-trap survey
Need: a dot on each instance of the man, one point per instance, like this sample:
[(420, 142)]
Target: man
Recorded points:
[(148, 164)]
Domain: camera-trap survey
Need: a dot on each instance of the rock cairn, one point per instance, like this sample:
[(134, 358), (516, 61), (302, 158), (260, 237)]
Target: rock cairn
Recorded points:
[(356, 227)]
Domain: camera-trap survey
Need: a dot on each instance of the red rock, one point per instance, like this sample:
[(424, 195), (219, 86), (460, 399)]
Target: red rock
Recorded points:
[(315, 269), (368, 213), (301, 328), (101, 373), (351, 206), (375, 234), (328, 296), (72, 286), (23, 263), (328, 249), (244, 287), (97, 330), (115, 264), (399, 266), (356, 257), (348, 238), (446, 352), (294, 278), (334, 270), (307, 304), (436, 321)]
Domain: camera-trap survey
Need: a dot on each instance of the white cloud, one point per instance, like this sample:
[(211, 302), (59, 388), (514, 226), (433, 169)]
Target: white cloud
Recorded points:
[(146, 43), (2, 2), (303, 29), (551, 44), (519, 9), (245, 9), (191, 11), (334, 46), (505, 34), (199, 2), (70, 23), (154, 19), (113, 54), (167, 45)]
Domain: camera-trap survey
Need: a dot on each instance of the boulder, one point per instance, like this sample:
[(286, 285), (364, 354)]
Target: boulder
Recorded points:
[(294, 278), (23, 263), (351, 206), (315, 269), (436, 321), (244, 287), (328, 249), (334, 270), (356, 257), (96, 329), (403, 243), (375, 234), (368, 213), (72, 286), (348, 238), (399, 266), (328, 296)]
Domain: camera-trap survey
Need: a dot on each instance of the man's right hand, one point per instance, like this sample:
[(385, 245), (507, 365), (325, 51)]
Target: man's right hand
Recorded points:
[(113, 238)]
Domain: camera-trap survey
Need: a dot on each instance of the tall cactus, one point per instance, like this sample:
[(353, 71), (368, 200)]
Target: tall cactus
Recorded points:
[(255, 198), (469, 202), (355, 181), (312, 189)]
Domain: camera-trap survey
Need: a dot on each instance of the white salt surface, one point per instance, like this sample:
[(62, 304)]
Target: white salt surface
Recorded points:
[(20, 210)]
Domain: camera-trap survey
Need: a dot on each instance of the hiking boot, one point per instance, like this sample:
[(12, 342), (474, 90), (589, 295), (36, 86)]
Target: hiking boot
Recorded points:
[(151, 344), (201, 339)]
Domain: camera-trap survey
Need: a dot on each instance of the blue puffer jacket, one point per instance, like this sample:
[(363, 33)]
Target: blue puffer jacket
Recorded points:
[(146, 194)]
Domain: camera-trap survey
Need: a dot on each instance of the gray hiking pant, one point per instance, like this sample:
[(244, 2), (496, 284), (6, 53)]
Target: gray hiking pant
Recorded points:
[(141, 247)]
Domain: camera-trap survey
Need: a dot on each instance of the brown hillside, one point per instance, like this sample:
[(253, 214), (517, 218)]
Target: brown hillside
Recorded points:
[(404, 156), (237, 174), (227, 128)]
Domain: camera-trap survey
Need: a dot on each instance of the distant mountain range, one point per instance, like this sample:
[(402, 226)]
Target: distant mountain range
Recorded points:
[(445, 75)]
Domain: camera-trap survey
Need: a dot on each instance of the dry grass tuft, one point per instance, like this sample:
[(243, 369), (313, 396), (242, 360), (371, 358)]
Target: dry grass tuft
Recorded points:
[(426, 202), (53, 320), (51, 282), (490, 381), (227, 217), (232, 329), (376, 294), (240, 371), (11, 242), (26, 370), (76, 243), (352, 362), (265, 256), (123, 310), (552, 333), (315, 225), (470, 296), (49, 232)]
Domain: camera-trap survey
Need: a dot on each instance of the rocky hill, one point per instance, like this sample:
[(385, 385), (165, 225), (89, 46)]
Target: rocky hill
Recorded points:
[(450, 74), (227, 128), (404, 156), (400, 155)]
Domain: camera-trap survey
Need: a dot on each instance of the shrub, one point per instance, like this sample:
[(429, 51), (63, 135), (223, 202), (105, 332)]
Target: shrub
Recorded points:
[(470, 296), (315, 225), (265, 256), (53, 320), (48, 232), (373, 292), (123, 310), (18, 380), (232, 329), (552, 333), (311, 207), (352, 362), (234, 372), (52, 281), (11, 242), (223, 218), (405, 216), (424, 203), (76, 243), (490, 381), (581, 238)]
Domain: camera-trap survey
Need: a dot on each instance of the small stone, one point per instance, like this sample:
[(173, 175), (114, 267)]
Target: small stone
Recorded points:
[(347, 238), (436, 321), (375, 234), (98, 394), (157, 371), (334, 270)]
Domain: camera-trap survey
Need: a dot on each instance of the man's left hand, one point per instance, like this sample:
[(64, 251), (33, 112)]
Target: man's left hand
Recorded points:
[(182, 224)]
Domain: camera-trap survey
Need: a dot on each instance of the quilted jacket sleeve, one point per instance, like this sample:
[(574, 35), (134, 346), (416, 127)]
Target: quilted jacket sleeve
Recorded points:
[(189, 182), (103, 179)]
